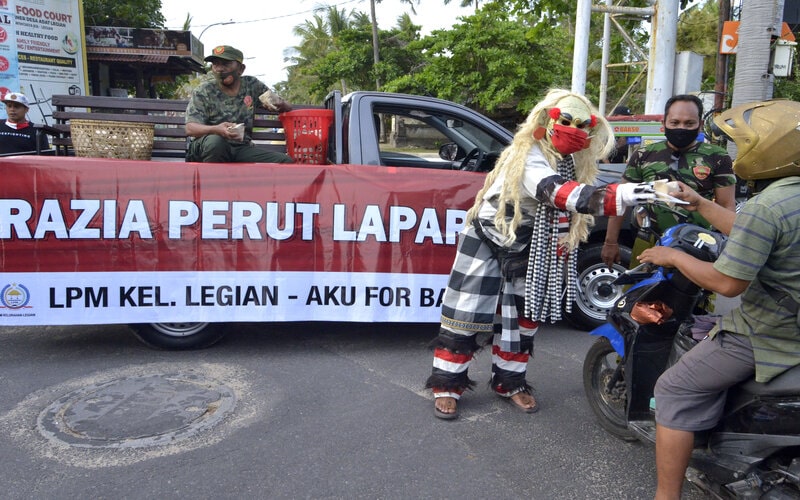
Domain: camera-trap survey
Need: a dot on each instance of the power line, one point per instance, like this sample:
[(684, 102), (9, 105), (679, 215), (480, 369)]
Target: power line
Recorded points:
[(317, 9)]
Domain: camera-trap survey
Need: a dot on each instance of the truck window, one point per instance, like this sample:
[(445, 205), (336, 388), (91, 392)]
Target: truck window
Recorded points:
[(407, 141), (415, 138)]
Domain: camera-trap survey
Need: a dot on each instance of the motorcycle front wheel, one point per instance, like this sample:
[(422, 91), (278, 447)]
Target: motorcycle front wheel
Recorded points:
[(607, 404)]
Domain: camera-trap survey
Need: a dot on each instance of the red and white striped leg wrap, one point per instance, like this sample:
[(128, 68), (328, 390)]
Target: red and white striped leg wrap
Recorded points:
[(450, 363)]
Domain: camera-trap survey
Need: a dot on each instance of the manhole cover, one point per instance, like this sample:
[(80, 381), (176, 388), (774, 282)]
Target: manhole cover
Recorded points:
[(137, 411)]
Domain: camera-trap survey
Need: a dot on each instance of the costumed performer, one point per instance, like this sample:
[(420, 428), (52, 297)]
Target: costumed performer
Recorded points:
[(540, 191)]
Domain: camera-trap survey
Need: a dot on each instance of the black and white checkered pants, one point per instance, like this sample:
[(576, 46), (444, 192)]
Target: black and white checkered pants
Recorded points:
[(470, 307)]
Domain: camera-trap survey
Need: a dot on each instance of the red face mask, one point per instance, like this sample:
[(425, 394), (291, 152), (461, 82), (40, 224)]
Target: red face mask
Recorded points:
[(568, 140)]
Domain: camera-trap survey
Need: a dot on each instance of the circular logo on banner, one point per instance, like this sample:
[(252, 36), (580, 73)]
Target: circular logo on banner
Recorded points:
[(14, 296), (3, 35), (4, 65)]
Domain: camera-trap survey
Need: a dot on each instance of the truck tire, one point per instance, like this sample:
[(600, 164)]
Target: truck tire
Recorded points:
[(596, 293), (179, 336)]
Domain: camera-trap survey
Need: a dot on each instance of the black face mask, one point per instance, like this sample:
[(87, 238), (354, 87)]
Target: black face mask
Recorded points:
[(681, 137)]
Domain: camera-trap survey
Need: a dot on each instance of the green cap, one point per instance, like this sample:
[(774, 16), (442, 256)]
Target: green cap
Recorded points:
[(225, 52)]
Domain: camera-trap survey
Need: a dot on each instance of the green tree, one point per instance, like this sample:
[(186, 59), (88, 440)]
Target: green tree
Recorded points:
[(128, 13), (375, 43), (319, 37), (491, 61), (465, 3), (346, 62), (698, 31)]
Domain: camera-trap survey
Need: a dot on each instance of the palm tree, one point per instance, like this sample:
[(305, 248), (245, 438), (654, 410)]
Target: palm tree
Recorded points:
[(752, 57), (464, 3), (375, 52), (318, 36)]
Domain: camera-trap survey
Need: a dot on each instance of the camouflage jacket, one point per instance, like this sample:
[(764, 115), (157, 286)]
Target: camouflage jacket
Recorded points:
[(210, 106), (703, 167)]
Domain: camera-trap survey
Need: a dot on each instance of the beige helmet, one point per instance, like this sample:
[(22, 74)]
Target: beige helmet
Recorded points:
[(767, 136)]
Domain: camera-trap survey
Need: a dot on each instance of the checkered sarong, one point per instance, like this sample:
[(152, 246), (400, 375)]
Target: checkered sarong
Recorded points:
[(471, 298)]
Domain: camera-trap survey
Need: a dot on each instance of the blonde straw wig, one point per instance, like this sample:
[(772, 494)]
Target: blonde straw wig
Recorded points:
[(511, 164)]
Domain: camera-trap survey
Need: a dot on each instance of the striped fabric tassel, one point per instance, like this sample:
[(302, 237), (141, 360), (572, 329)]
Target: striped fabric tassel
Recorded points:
[(552, 270)]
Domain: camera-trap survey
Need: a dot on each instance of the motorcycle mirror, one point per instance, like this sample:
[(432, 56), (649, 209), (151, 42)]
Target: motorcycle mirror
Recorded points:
[(640, 218), (635, 275)]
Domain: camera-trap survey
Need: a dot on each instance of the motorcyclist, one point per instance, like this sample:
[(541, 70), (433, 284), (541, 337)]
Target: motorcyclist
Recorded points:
[(762, 335)]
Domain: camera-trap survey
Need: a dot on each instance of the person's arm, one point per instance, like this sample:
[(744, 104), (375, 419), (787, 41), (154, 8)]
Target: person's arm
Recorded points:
[(610, 252), (726, 197), (701, 273), (720, 217), (194, 129), (197, 118)]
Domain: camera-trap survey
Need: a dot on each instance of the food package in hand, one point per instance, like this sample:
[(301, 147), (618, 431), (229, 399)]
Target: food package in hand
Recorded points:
[(666, 186), (272, 101), (238, 130)]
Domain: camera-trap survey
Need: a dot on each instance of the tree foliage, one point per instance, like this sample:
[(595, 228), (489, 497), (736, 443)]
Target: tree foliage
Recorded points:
[(336, 52), (128, 13), (491, 62), (499, 60), (698, 31)]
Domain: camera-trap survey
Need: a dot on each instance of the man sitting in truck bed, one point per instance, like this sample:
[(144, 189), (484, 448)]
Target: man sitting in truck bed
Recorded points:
[(219, 116)]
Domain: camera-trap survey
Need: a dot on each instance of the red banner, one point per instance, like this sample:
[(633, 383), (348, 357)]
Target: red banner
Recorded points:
[(84, 220)]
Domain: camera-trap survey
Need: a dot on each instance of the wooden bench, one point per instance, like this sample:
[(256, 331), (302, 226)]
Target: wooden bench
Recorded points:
[(167, 115)]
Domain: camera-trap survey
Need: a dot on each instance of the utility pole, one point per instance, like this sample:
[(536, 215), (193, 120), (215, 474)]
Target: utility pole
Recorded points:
[(661, 61), (581, 51), (721, 68), (752, 81), (661, 64), (760, 21)]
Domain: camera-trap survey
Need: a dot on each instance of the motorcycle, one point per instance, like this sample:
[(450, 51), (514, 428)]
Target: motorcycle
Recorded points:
[(754, 451)]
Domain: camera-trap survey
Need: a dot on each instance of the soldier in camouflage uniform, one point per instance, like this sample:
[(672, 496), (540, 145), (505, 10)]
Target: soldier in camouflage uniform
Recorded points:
[(704, 167), (217, 106)]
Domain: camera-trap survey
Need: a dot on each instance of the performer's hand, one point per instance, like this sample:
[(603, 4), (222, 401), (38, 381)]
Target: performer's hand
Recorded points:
[(629, 194)]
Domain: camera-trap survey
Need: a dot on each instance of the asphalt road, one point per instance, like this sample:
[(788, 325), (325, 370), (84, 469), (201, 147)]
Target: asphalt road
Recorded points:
[(321, 411)]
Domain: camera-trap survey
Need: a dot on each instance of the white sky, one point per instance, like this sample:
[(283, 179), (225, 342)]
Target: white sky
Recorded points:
[(263, 31)]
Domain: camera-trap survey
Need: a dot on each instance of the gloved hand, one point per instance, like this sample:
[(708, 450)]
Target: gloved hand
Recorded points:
[(630, 194)]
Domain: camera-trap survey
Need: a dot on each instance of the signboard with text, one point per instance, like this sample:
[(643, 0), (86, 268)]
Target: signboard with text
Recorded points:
[(44, 39), (88, 241)]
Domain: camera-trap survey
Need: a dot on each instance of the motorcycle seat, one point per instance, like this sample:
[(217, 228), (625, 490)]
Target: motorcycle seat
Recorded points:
[(785, 384)]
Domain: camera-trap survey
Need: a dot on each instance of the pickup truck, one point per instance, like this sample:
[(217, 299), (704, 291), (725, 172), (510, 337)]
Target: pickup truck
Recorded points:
[(180, 250)]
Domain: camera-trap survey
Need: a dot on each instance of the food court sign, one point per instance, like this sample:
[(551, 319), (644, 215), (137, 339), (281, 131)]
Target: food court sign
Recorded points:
[(41, 51)]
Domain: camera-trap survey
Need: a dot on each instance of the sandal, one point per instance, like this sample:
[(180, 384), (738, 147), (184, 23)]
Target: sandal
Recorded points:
[(451, 404), (521, 405)]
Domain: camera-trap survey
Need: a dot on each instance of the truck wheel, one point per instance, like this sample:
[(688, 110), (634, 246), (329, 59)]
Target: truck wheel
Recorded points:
[(596, 293), (179, 336)]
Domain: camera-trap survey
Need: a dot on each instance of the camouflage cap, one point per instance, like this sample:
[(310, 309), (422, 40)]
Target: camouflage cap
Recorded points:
[(225, 52)]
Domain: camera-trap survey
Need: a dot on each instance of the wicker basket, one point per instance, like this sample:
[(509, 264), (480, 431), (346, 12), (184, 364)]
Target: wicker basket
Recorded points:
[(110, 139)]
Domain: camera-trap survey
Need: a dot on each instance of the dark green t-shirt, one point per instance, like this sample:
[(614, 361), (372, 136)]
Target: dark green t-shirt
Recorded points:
[(703, 167), (210, 106)]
